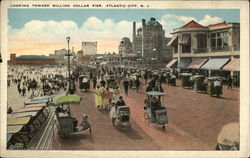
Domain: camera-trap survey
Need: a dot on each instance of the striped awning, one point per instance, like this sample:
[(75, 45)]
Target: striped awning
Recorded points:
[(197, 63), (233, 65), (171, 42), (215, 64), (171, 63), (184, 63)]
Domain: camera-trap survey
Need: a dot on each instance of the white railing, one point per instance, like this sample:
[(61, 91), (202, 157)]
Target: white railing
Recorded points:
[(48, 134)]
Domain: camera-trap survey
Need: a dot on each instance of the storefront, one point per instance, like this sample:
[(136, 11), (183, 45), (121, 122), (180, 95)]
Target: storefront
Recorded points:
[(183, 64), (233, 69), (215, 65)]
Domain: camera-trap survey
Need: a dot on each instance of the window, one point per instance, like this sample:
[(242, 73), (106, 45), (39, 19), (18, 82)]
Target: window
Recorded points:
[(201, 43), (186, 43), (219, 41)]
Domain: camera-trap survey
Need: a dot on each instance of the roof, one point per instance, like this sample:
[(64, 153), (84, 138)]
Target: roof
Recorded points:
[(24, 114), (14, 129), (34, 57), (37, 101), (36, 105), (192, 24), (18, 121), (28, 109), (218, 24)]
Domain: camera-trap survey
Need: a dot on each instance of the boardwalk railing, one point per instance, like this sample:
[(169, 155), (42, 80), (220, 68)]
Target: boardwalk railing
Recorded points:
[(48, 134)]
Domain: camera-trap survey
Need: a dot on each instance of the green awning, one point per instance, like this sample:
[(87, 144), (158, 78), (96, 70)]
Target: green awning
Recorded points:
[(68, 99)]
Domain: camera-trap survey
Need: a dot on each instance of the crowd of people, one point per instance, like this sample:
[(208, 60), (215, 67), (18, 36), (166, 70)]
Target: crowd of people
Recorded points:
[(36, 81)]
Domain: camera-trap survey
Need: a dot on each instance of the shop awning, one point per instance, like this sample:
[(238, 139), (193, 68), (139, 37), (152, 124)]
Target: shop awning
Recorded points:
[(233, 65), (215, 64), (185, 39), (172, 41), (197, 63), (171, 63), (184, 63)]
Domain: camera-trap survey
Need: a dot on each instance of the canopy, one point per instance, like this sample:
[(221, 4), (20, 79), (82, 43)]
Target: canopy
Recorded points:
[(184, 63), (28, 109), (16, 115), (154, 93), (103, 63), (173, 40), (171, 63), (215, 64), (68, 99), (40, 98), (197, 63), (18, 121), (37, 101), (14, 129), (230, 134), (36, 105), (233, 65)]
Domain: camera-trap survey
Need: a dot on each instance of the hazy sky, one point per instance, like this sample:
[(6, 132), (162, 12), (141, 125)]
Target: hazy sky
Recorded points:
[(41, 31)]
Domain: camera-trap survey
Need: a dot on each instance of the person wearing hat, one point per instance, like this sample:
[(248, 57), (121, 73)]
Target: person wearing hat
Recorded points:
[(217, 85), (126, 84)]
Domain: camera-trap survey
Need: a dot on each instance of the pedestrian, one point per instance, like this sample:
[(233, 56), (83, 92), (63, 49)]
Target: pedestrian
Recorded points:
[(106, 97), (102, 83), (229, 82), (159, 89), (137, 84), (217, 86), (94, 82), (98, 97), (24, 91), (126, 84)]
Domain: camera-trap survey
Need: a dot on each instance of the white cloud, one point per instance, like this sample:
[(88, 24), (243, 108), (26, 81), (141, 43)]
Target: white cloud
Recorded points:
[(186, 19), (105, 32), (171, 21), (207, 20)]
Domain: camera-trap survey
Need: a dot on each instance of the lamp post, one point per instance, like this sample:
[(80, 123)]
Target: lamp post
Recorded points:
[(68, 39), (154, 56)]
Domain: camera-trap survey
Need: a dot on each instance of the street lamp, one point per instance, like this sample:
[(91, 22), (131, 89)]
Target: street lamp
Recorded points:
[(68, 39), (154, 56)]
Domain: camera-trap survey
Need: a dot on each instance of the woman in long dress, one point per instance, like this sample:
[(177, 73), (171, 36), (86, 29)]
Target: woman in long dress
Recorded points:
[(98, 97)]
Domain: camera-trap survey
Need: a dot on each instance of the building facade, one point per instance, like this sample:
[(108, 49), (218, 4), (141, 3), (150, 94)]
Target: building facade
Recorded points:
[(207, 49), (125, 47), (149, 42), (89, 48), (31, 60)]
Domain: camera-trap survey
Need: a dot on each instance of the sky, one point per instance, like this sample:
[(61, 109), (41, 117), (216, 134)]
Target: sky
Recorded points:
[(41, 31)]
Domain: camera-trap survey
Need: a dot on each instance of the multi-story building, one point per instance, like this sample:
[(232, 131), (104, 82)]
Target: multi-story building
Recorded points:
[(89, 48), (125, 47), (212, 50), (167, 50), (148, 42)]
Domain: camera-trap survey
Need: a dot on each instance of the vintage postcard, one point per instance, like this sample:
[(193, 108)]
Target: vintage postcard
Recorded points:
[(124, 79)]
